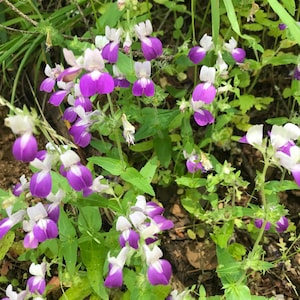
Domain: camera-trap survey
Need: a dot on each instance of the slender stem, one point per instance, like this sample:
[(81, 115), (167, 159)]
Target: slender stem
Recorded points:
[(34, 23), (118, 142), (193, 4)]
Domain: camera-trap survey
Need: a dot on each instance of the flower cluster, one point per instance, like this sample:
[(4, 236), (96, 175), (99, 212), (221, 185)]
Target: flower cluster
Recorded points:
[(282, 139), (139, 232), (87, 76), (205, 92), (36, 284), (285, 153), (281, 225)]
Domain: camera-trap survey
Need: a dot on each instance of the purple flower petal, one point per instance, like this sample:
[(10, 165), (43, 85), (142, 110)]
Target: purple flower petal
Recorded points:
[(79, 177), (196, 54), (47, 85), (296, 173), (5, 226), (282, 224), (114, 278), (30, 241), (41, 184), (203, 117), (238, 54), (204, 92), (160, 272), (110, 52), (36, 284), (151, 47), (25, 148), (57, 98), (105, 84), (130, 236), (45, 229), (88, 83), (259, 223)]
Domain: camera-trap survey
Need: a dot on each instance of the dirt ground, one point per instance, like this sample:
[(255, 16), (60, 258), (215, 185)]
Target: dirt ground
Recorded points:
[(194, 260)]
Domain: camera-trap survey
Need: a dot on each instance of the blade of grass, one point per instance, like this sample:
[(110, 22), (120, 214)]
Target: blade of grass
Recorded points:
[(29, 52), (215, 20)]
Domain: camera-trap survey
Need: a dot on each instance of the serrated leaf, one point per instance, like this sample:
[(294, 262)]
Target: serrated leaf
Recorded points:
[(134, 177), (5, 243), (93, 256), (112, 165)]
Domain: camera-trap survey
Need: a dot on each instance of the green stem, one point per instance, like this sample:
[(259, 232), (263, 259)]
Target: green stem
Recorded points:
[(118, 141), (193, 4)]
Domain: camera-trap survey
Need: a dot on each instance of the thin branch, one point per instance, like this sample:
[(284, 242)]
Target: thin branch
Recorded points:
[(34, 23)]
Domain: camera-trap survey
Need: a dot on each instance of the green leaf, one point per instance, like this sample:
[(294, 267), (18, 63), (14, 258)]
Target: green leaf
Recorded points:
[(290, 6), (5, 243), (142, 147), (192, 207), (93, 256), (163, 147), (191, 182), (69, 252), (79, 290), (112, 165), (68, 246), (134, 177), (237, 291), (149, 169), (280, 186), (125, 65), (89, 219)]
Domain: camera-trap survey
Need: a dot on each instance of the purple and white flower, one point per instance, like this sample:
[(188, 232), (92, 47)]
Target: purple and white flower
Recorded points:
[(7, 223), (254, 136), (282, 224), (44, 227), (110, 50), (21, 186), (128, 235), (144, 85), (65, 88), (198, 53), (119, 78), (114, 278), (97, 80), (41, 182), (48, 84), (25, 147), (53, 209), (159, 270), (206, 91), (151, 46), (11, 295), (37, 282), (238, 54), (78, 175)]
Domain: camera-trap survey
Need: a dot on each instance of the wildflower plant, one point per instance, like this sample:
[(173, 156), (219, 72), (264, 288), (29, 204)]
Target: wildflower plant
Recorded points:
[(95, 212)]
